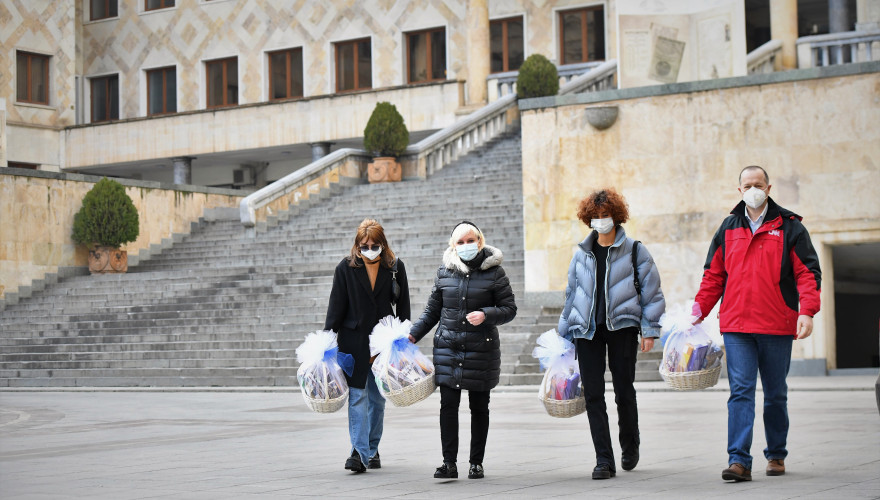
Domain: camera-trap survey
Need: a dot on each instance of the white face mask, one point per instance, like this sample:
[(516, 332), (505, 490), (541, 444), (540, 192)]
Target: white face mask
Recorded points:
[(754, 197), (603, 226), (371, 254), (467, 251)]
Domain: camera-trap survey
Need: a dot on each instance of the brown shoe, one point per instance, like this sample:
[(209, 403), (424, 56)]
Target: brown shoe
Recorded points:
[(776, 467), (736, 472)]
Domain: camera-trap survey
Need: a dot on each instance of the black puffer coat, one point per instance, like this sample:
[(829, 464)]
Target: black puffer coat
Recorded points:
[(467, 356)]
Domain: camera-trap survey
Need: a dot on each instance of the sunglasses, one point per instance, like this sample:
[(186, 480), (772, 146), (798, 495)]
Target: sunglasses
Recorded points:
[(374, 248)]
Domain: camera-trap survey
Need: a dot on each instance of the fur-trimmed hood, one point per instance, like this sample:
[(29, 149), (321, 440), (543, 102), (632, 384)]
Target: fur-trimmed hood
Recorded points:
[(453, 262)]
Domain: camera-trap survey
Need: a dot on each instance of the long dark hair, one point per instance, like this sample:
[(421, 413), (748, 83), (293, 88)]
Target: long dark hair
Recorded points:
[(371, 230)]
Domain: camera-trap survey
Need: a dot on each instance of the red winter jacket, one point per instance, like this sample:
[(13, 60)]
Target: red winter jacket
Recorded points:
[(767, 279)]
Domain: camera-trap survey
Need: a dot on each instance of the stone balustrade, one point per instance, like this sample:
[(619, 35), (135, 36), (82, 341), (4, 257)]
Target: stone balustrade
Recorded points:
[(502, 84), (764, 58), (838, 48)]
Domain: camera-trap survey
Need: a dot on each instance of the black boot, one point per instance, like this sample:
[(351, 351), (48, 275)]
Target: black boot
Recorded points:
[(603, 471), (446, 471), (375, 463), (630, 462), (354, 463), (476, 471)]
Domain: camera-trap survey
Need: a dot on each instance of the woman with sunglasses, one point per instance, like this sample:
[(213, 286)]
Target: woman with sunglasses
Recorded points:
[(364, 291), (470, 298)]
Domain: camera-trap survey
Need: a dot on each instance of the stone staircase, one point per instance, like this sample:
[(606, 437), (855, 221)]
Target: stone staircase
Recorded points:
[(220, 308)]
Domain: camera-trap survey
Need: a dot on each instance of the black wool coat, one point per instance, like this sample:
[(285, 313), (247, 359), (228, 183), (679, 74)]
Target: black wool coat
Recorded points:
[(467, 356), (355, 308)]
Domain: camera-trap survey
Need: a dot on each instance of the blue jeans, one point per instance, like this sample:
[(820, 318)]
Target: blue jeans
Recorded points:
[(366, 415), (747, 355)]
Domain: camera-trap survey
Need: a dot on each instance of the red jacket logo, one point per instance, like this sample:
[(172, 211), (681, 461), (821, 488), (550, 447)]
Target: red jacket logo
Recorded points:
[(774, 232)]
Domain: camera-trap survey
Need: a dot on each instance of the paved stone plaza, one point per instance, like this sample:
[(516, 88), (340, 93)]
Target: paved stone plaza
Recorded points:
[(251, 444)]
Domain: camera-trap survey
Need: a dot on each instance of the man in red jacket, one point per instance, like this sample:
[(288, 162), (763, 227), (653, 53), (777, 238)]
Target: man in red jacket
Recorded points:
[(762, 262)]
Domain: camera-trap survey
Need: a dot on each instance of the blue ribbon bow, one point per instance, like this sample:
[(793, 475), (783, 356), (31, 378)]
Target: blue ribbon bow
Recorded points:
[(345, 361)]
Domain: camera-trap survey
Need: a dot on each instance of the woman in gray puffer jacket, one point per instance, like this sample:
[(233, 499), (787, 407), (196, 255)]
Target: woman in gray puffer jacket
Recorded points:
[(604, 311), (470, 298)]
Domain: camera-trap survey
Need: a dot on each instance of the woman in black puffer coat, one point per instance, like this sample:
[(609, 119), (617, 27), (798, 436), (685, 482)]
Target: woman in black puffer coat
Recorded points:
[(470, 298)]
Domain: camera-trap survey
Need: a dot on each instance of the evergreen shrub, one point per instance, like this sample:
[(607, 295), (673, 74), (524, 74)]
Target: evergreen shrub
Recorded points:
[(385, 133), (107, 217), (537, 78)]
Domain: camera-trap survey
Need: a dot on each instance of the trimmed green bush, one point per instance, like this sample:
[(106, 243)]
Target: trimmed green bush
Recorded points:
[(107, 217), (386, 134), (537, 78)]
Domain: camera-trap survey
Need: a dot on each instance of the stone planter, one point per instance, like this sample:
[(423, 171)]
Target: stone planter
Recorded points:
[(384, 169), (104, 259)]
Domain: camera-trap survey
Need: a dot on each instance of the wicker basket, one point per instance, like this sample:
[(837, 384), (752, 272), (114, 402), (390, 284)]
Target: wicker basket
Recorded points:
[(414, 393), (564, 408), (691, 381), (326, 405)]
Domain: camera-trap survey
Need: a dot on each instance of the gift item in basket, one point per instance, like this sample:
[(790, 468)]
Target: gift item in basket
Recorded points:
[(403, 374), (690, 359), (561, 391), (320, 374)]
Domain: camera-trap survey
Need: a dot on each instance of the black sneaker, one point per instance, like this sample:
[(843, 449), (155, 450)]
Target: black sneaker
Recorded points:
[(375, 463), (446, 471), (603, 471), (354, 464), (476, 471)]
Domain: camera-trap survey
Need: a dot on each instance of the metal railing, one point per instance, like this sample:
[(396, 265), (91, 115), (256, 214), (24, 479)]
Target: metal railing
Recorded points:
[(839, 48), (428, 155), (763, 59)]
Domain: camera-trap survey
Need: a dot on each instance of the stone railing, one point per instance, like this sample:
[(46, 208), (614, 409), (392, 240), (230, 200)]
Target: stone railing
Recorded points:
[(418, 160), (763, 59), (599, 77), (838, 48), (502, 84)]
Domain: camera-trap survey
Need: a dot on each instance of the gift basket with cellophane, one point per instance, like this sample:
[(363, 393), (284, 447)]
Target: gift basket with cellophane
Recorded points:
[(561, 390), (403, 374), (320, 372), (691, 360)]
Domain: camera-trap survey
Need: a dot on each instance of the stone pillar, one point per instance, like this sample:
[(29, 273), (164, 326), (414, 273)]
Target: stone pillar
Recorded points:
[(182, 169), (320, 149), (784, 27), (867, 15), (4, 161), (838, 16), (478, 51)]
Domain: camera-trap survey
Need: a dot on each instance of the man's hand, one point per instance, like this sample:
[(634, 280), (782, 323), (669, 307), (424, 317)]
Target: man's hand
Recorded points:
[(804, 326), (647, 344), (476, 317)]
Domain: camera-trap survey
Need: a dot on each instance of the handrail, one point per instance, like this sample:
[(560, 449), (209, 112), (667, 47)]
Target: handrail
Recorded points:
[(838, 48), (764, 57), (262, 197), (600, 77)]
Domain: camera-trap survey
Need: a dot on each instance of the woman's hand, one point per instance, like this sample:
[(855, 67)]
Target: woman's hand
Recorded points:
[(412, 339), (647, 344), (475, 318)]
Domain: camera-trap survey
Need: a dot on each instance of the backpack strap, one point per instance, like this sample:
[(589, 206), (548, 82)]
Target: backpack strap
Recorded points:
[(635, 258), (395, 286)]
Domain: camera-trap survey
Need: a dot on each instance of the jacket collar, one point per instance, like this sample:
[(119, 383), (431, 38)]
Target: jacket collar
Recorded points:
[(587, 244), (773, 211), (381, 278), (453, 262)]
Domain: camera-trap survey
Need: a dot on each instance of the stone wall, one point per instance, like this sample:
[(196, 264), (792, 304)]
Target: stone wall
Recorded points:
[(675, 152), (36, 219)]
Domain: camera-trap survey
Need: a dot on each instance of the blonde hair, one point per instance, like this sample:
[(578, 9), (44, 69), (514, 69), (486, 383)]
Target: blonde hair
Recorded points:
[(463, 229), (370, 229)]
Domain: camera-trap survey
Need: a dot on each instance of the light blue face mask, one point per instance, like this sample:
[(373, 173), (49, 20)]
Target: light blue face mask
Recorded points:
[(467, 251)]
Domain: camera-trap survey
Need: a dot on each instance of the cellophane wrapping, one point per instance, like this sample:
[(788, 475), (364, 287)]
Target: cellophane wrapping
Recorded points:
[(398, 362), (320, 375), (687, 347), (562, 378)]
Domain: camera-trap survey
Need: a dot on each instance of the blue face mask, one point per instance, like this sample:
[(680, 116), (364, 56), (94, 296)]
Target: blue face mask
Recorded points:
[(467, 251)]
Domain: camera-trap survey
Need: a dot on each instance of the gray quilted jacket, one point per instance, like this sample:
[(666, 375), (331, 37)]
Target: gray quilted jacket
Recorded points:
[(623, 309)]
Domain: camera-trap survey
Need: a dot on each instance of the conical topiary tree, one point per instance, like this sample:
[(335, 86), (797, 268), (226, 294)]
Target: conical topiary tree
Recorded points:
[(537, 78), (385, 133), (107, 217)]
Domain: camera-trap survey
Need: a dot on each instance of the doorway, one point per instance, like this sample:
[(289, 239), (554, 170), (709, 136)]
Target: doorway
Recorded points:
[(857, 304)]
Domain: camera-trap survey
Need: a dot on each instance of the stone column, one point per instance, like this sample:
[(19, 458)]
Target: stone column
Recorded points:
[(4, 161), (182, 169), (784, 27), (478, 51), (320, 149), (838, 16), (867, 15)]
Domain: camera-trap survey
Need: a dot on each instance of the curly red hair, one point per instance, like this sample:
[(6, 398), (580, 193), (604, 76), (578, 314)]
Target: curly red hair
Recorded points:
[(603, 200)]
